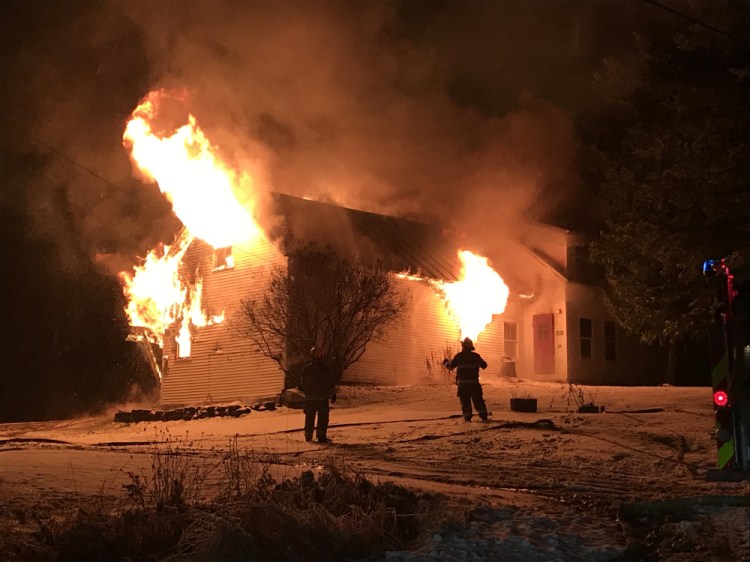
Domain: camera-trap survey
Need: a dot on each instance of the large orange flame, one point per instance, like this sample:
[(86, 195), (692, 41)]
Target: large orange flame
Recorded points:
[(479, 295), (203, 191), (475, 298), (154, 291), (213, 202)]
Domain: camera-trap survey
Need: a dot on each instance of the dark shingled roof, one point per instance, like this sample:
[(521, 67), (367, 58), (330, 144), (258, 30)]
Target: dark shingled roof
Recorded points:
[(403, 245)]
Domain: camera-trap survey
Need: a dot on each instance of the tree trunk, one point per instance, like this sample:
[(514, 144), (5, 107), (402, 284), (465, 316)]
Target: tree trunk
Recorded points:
[(671, 376)]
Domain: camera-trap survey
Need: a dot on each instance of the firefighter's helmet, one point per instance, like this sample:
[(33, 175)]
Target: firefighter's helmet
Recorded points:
[(467, 344)]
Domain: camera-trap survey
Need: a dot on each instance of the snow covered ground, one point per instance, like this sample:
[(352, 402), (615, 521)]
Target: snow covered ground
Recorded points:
[(630, 483)]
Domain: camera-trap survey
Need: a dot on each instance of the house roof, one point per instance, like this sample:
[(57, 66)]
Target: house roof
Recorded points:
[(402, 245)]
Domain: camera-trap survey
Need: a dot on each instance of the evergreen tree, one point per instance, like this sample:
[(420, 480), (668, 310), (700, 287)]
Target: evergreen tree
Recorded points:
[(673, 173)]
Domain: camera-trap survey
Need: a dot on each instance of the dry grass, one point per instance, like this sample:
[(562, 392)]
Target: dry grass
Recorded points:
[(437, 372), (171, 513)]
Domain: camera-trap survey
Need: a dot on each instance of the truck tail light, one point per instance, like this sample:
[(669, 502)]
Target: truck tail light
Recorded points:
[(721, 399)]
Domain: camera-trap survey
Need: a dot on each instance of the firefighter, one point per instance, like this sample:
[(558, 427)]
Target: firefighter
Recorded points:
[(467, 364), (318, 384)]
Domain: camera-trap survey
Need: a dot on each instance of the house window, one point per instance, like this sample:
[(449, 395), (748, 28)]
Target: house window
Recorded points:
[(585, 330), (610, 347), (223, 259), (510, 335), (183, 341)]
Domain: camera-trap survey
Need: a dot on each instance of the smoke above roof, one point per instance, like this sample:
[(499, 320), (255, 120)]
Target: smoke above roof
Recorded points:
[(333, 101), (457, 113)]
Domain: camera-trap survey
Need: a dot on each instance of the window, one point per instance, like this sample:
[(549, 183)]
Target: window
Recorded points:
[(585, 330), (610, 345), (223, 259), (183, 341), (510, 335)]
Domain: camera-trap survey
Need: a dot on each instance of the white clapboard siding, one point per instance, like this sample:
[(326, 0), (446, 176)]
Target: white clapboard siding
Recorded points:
[(490, 346), (424, 332), (424, 336), (549, 298), (222, 366), (513, 314)]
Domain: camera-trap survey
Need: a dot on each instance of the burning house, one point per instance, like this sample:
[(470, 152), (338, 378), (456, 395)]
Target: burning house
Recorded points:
[(205, 360), (533, 313)]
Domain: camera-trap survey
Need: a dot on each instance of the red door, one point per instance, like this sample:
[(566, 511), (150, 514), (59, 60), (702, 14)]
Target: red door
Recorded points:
[(544, 343)]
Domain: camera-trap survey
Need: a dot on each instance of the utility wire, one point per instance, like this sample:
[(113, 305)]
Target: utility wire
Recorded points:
[(111, 184), (692, 19), (74, 162)]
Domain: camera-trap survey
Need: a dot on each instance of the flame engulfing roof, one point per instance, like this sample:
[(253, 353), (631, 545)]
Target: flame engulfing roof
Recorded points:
[(402, 245)]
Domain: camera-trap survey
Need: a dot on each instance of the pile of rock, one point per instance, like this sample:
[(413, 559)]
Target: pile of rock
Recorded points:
[(191, 413)]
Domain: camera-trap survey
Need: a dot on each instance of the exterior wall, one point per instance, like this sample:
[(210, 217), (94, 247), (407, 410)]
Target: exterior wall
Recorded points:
[(490, 346), (423, 338), (221, 366), (422, 335), (514, 314), (550, 242), (635, 363), (549, 298)]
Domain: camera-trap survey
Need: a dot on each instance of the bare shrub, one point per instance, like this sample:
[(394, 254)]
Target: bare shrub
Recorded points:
[(176, 480), (437, 372), (245, 473), (576, 395), (321, 299), (331, 514)]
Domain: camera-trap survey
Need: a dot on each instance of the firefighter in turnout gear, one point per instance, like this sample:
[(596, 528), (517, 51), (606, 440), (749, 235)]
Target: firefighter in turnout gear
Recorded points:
[(467, 364), (318, 384)]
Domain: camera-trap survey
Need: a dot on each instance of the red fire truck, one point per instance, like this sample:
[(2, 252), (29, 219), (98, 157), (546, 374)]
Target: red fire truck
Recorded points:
[(730, 370)]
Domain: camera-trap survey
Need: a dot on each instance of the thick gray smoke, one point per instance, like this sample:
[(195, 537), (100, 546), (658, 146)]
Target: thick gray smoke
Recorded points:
[(333, 101), (71, 74), (455, 112)]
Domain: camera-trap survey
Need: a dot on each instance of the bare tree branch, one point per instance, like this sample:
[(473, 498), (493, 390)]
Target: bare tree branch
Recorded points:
[(321, 300)]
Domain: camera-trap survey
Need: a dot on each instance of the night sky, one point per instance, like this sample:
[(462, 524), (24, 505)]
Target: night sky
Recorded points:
[(470, 113)]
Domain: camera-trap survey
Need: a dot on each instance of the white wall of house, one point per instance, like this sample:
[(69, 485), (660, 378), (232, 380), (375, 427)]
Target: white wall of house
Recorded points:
[(549, 298), (419, 338), (415, 346), (222, 366), (490, 346), (627, 361)]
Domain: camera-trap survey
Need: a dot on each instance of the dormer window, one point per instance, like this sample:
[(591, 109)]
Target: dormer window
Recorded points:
[(223, 259)]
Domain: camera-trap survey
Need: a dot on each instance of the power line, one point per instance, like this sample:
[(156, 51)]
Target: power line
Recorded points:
[(691, 19), (245, 250), (74, 162), (111, 184)]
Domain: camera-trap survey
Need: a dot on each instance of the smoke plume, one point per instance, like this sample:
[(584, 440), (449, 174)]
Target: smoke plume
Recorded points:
[(454, 112), (333, 101)]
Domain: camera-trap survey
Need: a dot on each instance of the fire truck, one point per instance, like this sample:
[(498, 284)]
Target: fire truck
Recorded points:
[(729, 348)]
